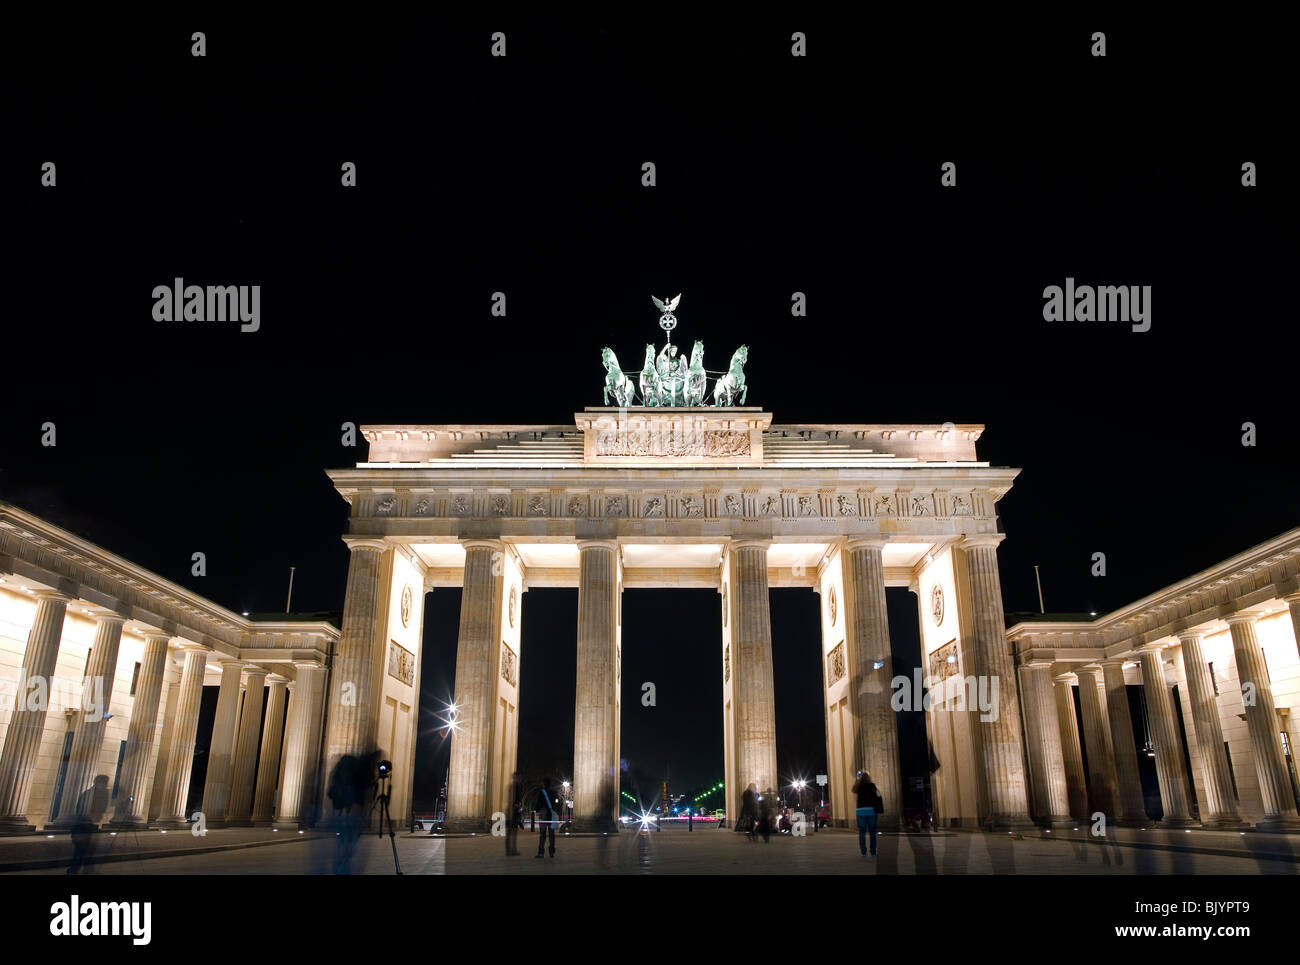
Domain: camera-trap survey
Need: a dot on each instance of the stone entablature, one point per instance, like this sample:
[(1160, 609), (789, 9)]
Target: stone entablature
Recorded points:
[(644, 436), (44, 556), (1267, 572), (379, 495)]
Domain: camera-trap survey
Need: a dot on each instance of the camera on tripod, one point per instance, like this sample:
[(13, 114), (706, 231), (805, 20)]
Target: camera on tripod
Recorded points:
[(385, 769)]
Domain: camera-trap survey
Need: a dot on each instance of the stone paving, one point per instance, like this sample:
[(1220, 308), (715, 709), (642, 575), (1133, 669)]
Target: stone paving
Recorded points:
[(706, 851)]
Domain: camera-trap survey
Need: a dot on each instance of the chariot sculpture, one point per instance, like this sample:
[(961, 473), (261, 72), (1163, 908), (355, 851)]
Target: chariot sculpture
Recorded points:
[(670, 379)]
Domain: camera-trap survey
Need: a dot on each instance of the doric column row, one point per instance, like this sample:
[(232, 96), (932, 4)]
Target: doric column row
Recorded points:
[(143, 759)]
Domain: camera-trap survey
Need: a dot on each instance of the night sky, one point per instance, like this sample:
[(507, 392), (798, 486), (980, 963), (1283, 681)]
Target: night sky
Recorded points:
[(522, 175)]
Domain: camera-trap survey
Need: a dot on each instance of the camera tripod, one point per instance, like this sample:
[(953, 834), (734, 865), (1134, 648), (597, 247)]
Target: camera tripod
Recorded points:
[(381, 800)]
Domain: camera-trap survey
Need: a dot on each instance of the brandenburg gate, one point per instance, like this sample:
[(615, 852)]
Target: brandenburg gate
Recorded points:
[(675, 492)]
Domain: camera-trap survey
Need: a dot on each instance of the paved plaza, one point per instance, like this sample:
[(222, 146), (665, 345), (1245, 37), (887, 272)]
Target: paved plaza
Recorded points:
[(677, 851)]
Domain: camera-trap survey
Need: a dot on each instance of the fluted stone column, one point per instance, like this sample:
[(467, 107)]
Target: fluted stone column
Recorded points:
[(180, 756), (872, 664), (595, 759), (301, 748), (1132, 807), (1221, 802), (353, 720), (476, 648), (245, 765), (753, 701), (22, 744), (1075, 782), (216, 782), (1164, 735), (88, 734), (132, 810), (1003, 760), (1043, 741), (1261, 719), (268, 767), (1102, 778)]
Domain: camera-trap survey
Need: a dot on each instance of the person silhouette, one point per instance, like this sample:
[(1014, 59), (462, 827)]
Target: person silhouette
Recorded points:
[(91, 805)]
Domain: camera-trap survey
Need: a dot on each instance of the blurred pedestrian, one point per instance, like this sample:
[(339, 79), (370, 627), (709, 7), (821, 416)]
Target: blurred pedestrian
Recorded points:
[(91, 805), (516, 814), (870, 807)]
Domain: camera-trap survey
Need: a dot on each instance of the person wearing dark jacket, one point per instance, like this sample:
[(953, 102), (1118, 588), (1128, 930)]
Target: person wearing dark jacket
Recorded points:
[(549, 807), (870, 807)]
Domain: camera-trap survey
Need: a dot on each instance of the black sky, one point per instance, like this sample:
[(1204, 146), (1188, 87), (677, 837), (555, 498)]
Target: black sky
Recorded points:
[(775, 174)]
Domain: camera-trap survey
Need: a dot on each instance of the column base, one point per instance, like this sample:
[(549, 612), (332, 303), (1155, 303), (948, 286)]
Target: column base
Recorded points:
[(131, 824), (172, 824), (1057, 822), (237, 823), (16, 824), (67, 824), (289, 824), (1228, 824), (1284, 823), (1178, 823), (1009, 822)]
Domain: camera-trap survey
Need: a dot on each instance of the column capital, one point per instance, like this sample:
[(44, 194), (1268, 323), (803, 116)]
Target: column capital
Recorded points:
[(1067, 677), (1088, 668), (492, 544), (355, 543), (56, 595), (973, 540), (1190, 635), (252, 670), (108, 618), (1239, 618), (1155, 647), (301, 665), (1291, 597), (156, 635), (595, 544), (1114, 662), (744, 544), (189, 646), (1037, 663), (864, 543), (275, 678)]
